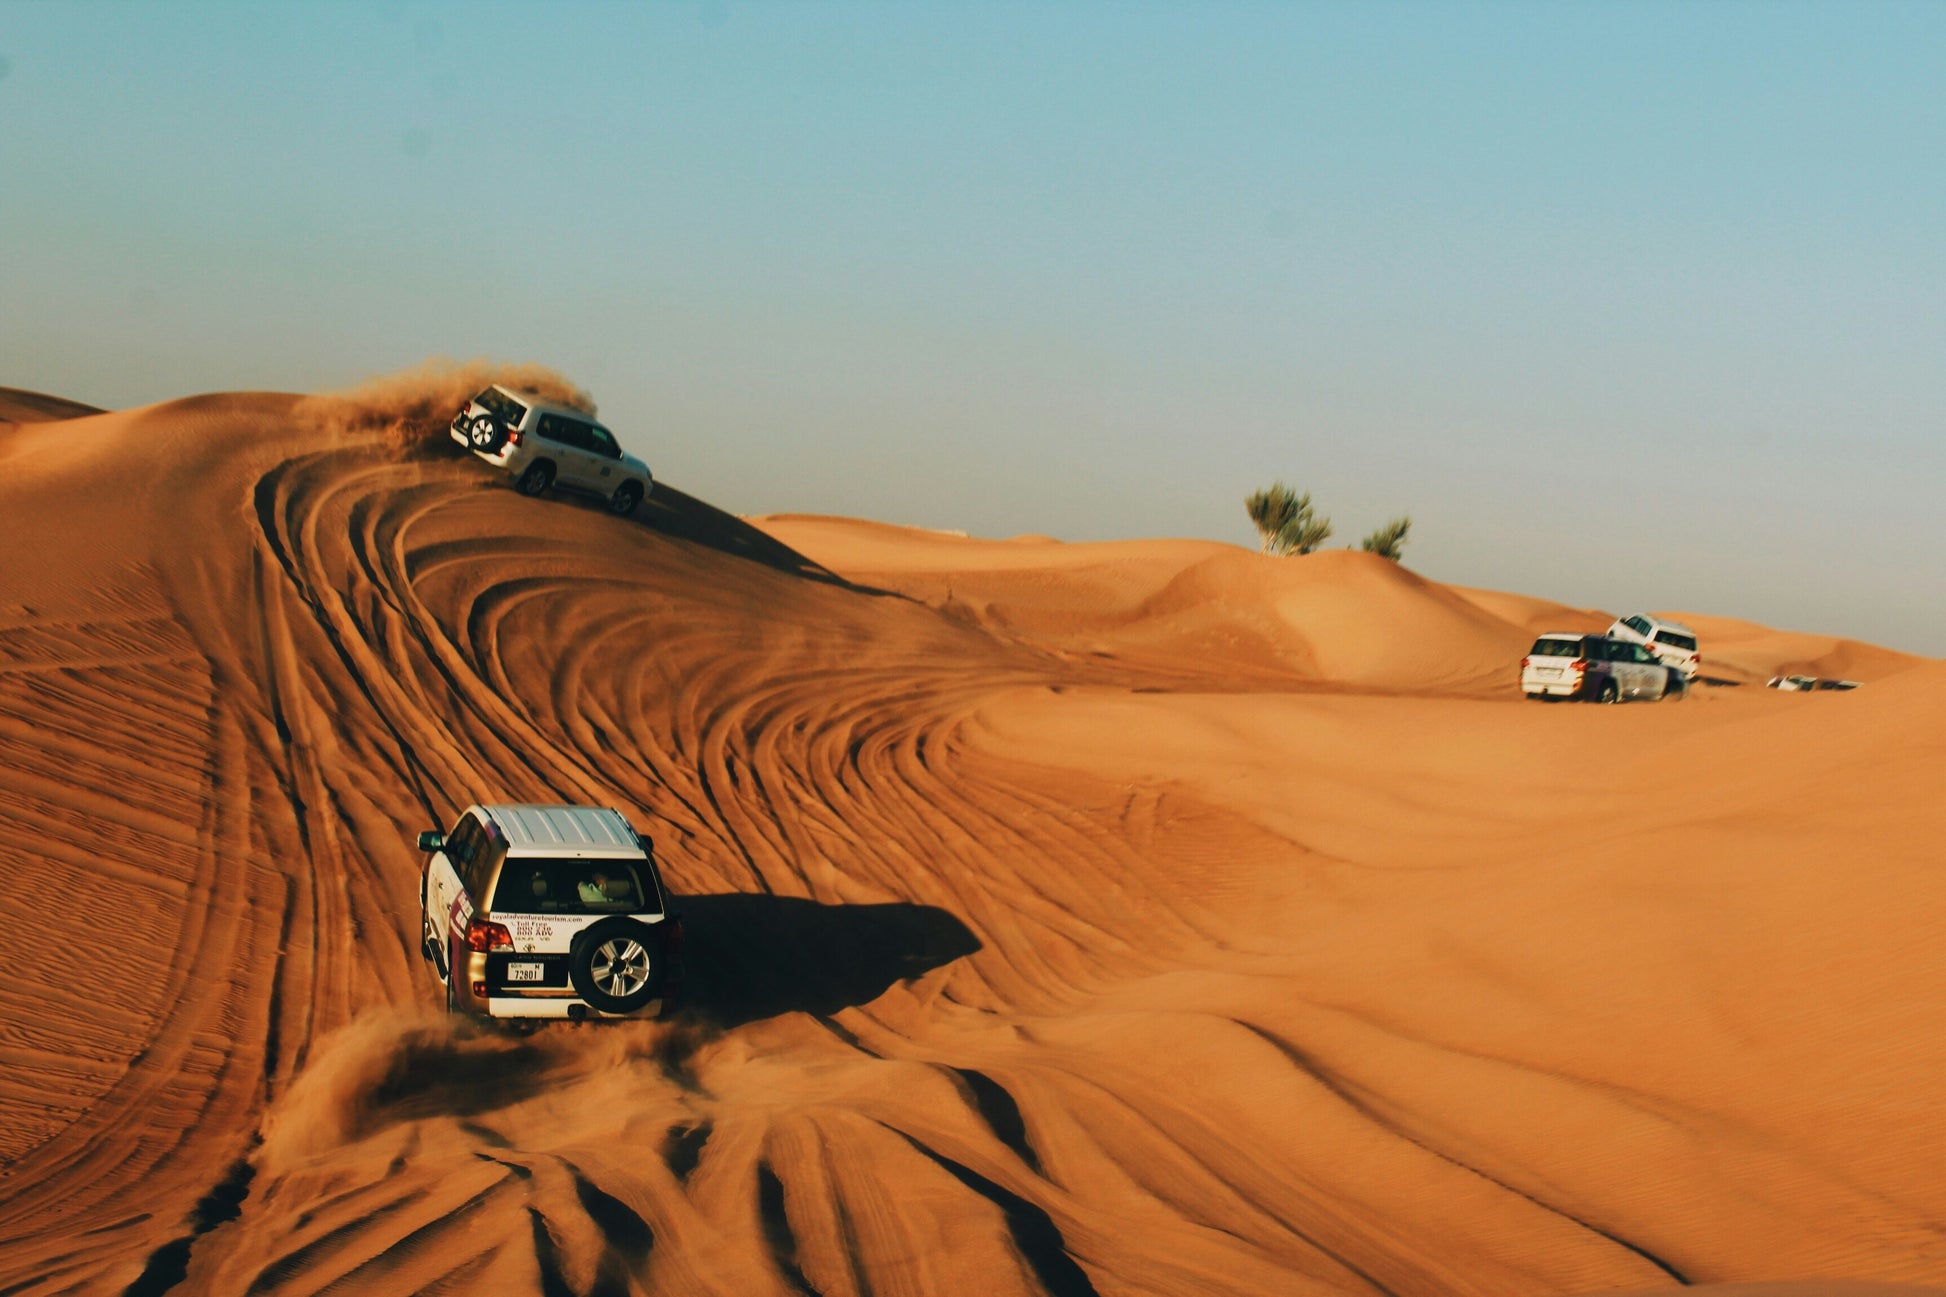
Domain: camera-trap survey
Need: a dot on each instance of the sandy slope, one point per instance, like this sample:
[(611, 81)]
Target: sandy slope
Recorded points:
[(1138, 918)]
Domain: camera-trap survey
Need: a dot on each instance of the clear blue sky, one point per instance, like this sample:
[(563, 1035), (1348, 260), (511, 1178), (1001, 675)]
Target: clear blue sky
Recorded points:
[(1629, 305)]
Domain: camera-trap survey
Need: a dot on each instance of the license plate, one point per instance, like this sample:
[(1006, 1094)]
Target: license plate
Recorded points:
[(523, 972), (1549, 671)]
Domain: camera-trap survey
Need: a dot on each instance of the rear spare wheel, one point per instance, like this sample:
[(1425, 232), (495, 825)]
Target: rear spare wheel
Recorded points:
[(615, 965)]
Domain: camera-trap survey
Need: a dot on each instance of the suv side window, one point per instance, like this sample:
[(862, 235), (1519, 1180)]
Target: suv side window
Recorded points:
[(464, 847), (491, 854), (554, 428), (601, 442)]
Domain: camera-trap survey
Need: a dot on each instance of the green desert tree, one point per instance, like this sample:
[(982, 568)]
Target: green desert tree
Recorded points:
[(1388, 541), (1286, 520)]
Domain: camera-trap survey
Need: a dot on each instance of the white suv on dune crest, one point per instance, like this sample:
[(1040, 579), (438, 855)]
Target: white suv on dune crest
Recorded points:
[(543, 444), (547, 912), (1670, 641)]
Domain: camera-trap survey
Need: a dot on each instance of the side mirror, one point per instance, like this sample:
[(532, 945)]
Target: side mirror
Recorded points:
[(431, 840)]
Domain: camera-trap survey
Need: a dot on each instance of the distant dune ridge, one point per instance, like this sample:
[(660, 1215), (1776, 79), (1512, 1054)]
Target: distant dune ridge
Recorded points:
[(18, 406), (1152, 917)]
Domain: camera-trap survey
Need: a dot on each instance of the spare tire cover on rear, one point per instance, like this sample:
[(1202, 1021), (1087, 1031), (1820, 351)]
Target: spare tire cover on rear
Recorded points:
[(486, 432), (612, 956)]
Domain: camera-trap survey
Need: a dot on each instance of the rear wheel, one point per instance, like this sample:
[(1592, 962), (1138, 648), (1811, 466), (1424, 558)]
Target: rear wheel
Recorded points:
[(538, 477), (452, 985)]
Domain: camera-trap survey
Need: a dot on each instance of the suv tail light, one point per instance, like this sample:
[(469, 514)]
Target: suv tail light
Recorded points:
[(513, 437), (481, 935), (1525, 663)]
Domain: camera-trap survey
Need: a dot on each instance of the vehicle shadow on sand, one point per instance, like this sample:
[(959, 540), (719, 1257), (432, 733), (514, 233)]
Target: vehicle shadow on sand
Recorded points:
[(678, 514), (750, 957)]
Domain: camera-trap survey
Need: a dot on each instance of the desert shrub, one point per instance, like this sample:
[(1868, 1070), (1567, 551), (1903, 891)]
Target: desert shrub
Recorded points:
[(1388, 541), (1286, 520)]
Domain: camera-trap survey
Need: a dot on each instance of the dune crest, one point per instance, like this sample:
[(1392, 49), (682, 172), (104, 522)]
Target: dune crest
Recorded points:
[(20, 406)]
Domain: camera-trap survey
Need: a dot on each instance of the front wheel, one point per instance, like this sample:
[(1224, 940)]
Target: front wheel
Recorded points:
[(426, 947), (1675, 687), (538, 477), (1609, 693), (626, 497)]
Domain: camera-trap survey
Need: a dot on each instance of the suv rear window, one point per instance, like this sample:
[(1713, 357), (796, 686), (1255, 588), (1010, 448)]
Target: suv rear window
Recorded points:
[(504, 407), (1675, 639), (543, 886), (1556, 648)]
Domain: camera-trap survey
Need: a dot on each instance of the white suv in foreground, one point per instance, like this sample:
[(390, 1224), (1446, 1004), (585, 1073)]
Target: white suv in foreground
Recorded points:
[(543, 444), (547, 912), (1567, 664)]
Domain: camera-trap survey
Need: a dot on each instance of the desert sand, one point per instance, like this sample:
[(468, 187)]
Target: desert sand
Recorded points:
[(1153, 917)]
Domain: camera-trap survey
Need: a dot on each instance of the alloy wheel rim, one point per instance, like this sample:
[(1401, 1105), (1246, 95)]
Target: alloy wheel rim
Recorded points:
[(620, 966)]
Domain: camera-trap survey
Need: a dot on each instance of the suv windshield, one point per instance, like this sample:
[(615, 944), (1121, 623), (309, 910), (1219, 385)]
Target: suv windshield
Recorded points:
[(541, 886), (1556, 648), (504, 407)]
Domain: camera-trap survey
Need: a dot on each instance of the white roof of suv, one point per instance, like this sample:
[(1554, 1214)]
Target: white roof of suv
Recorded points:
[(564, 830)]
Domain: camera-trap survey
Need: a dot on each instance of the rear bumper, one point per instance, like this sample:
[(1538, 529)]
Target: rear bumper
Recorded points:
[(471, 968), (1565, 685), (559, 1008)]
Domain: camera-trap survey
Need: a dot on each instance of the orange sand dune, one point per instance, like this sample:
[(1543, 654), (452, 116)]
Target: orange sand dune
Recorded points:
[(20, 406), (1145, 918)]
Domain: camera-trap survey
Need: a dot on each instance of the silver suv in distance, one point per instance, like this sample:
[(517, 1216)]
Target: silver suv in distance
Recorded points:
[(1598, 667), (547, 912), (542, 445)]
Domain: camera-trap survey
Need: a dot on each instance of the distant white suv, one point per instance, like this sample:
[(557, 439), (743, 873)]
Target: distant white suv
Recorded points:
[(1670, 641), (547, 912), (543, 444)]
